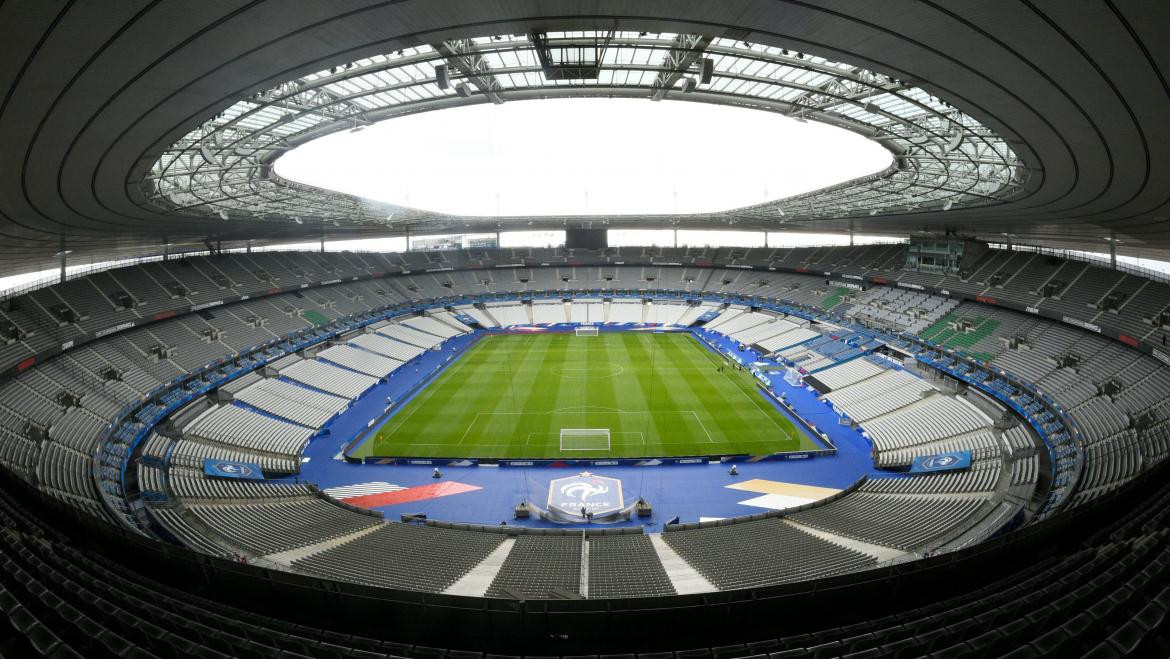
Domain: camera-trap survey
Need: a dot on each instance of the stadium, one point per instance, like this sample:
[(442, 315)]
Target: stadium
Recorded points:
[(646, 330)]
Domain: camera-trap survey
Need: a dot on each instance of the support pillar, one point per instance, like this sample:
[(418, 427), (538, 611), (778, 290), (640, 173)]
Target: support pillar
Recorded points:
[(62, 254), (1113, 254)]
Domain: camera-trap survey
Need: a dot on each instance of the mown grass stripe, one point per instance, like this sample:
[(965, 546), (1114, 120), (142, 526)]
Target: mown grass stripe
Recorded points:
[(510, 396)]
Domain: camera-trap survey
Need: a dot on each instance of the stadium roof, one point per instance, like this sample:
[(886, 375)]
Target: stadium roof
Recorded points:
[(944, 157), (125, 128)]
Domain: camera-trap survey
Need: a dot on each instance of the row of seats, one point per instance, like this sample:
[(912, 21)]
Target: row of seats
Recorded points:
[(906, 522), (755, 553), (270, 528)]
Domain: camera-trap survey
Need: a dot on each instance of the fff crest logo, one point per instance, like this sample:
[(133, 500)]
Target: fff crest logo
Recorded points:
[(233, 469), (940, 461), (596, 494)]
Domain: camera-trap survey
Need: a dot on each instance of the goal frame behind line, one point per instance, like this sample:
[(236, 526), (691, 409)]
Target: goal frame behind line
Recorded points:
[(585, 439), (587, 331)]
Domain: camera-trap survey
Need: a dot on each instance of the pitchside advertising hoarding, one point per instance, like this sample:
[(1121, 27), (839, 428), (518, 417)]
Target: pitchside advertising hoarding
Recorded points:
[(951, 461)]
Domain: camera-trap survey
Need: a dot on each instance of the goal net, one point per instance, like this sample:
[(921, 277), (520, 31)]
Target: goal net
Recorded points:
[(584, 439), (586, 331)]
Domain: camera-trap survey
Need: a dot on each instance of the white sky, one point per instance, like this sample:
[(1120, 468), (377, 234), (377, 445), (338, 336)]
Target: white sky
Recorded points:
[(584, 156)]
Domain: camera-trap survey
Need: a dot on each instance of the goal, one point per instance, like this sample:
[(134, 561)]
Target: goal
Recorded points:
[(584, 439), (586, 331)]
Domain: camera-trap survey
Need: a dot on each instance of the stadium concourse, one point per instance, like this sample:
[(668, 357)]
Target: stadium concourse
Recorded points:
[(491, 329)]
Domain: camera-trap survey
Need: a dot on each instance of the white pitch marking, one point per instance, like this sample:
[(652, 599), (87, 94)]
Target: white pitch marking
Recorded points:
[(702, 425)]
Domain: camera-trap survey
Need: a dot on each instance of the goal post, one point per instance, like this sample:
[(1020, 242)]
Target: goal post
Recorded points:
[(584, 439), (587, 331)]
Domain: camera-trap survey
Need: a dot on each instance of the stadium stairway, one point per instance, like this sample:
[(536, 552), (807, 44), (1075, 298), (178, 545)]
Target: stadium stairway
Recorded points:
[(477, 581), (685, 579)]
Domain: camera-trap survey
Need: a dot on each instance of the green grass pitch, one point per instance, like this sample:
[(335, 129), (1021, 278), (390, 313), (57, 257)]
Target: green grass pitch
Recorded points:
[(659, 395)]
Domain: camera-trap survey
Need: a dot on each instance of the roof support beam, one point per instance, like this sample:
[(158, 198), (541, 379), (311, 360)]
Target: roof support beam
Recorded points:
[(465, 57), (684, 52)]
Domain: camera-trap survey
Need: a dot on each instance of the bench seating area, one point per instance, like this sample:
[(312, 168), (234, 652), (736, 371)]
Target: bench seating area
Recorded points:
[(905, 522), (410, 335), (381, 345), (756, 553), (295, 403), (404, 556), (190, 453), (431, 326), (540, 567), (270, 528), (626, 566), (362, 361), (236, 426), (788, 339), (849, 373), (884, 393), (326, 377), (189, 484), (548, 313), (932, 419), (983, 476)]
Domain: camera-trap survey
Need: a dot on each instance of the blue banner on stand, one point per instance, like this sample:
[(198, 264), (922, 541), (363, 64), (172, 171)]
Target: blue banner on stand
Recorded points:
[(227, 469), (941, 462)]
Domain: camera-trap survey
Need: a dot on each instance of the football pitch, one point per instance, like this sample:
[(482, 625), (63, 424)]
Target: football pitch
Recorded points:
[(650, 395)]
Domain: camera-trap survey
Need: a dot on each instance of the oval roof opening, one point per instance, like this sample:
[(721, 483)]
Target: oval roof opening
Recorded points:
[(584, 156)]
